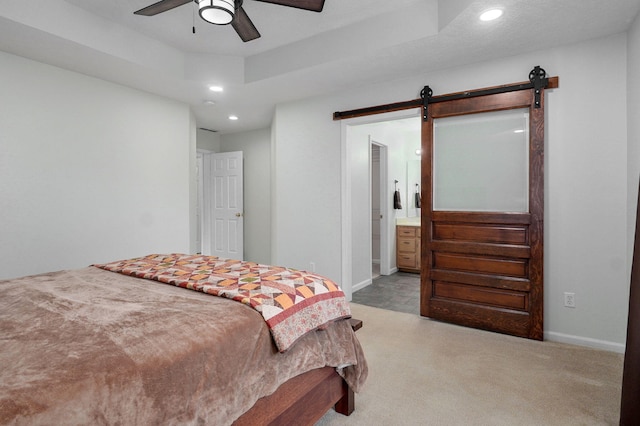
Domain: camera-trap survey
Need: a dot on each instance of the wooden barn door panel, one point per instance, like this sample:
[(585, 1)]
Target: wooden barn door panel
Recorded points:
[(482, 240)]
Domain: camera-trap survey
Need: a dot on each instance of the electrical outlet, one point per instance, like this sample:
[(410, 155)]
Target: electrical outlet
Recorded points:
[(570, 300), (312, 266)]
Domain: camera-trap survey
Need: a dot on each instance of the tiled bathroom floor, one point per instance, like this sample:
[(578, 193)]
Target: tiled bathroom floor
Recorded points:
[(397, 292)]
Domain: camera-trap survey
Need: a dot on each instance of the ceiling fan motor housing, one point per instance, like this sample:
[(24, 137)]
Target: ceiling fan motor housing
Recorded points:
[(218, 12)]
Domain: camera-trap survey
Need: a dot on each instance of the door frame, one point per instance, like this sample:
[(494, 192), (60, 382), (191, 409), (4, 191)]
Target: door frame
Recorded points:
[(346, 227)]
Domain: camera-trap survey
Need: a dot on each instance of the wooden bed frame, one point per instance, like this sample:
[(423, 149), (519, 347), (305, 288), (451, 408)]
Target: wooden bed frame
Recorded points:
[(304, 399)]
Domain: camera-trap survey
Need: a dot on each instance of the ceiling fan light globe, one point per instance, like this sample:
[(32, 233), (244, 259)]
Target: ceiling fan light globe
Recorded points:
[(218, 12)]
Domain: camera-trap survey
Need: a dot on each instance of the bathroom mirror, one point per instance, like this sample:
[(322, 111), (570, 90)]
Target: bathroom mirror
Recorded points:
[(413, 188)]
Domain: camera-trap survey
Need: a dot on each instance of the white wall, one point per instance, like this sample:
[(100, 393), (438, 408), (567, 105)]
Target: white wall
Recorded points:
[(256, 149), (633, 112), (306, 225), (586, 178), (209, 141), (585, 227), (90, 171)]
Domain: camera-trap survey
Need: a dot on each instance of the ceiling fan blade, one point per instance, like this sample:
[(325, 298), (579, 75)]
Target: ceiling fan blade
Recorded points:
[(161, 6), (244, 27), (312, 5)]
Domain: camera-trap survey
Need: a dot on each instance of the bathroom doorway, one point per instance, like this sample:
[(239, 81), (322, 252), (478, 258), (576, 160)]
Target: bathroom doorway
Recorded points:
[(376, 154)]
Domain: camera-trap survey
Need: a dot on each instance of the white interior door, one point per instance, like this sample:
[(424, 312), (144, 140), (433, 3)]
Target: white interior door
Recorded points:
[(226, 214)]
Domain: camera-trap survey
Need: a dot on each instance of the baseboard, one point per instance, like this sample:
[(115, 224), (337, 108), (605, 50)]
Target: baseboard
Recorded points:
[(584, 341), (360, 285)]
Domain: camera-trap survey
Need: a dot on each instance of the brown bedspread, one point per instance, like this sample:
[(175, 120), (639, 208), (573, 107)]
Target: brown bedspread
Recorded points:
[(90, 346), (292, 302)]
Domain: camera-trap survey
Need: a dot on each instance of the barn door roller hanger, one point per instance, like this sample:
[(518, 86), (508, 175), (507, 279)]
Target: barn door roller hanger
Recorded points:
[(537, 81)]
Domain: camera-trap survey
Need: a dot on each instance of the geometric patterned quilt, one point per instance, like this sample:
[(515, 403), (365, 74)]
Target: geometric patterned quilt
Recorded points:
[(292, 302)]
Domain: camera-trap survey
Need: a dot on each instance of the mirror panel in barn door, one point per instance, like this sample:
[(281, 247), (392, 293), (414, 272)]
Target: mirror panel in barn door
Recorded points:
[(481, 162)]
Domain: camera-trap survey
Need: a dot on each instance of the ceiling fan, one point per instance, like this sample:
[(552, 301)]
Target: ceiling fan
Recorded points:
[(223, 12)]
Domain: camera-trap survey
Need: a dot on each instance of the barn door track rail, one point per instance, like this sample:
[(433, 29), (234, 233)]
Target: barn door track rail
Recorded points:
[(538, 81)]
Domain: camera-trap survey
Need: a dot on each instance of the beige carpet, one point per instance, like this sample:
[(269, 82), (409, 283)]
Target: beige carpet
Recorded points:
[(423, 372)]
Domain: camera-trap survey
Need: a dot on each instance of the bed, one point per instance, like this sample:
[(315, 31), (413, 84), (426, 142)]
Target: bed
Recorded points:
[(94, 346)]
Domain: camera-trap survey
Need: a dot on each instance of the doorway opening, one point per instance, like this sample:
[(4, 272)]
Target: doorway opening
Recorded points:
[(376, 152)]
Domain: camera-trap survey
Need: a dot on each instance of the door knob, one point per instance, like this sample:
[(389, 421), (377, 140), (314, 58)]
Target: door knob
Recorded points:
[(238, 214)]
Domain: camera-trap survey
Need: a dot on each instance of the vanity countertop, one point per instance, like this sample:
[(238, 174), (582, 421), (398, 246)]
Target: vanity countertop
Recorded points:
[(408, 221)]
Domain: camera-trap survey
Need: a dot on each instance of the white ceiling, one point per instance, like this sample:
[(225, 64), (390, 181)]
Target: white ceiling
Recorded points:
[(300, 54)]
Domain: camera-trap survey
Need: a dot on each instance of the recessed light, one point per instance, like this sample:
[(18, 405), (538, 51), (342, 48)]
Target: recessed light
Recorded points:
[(491, 14), (216, 88), (233, 117)]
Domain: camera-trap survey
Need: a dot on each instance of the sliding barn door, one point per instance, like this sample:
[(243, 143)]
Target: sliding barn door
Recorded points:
[(482, 219)]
